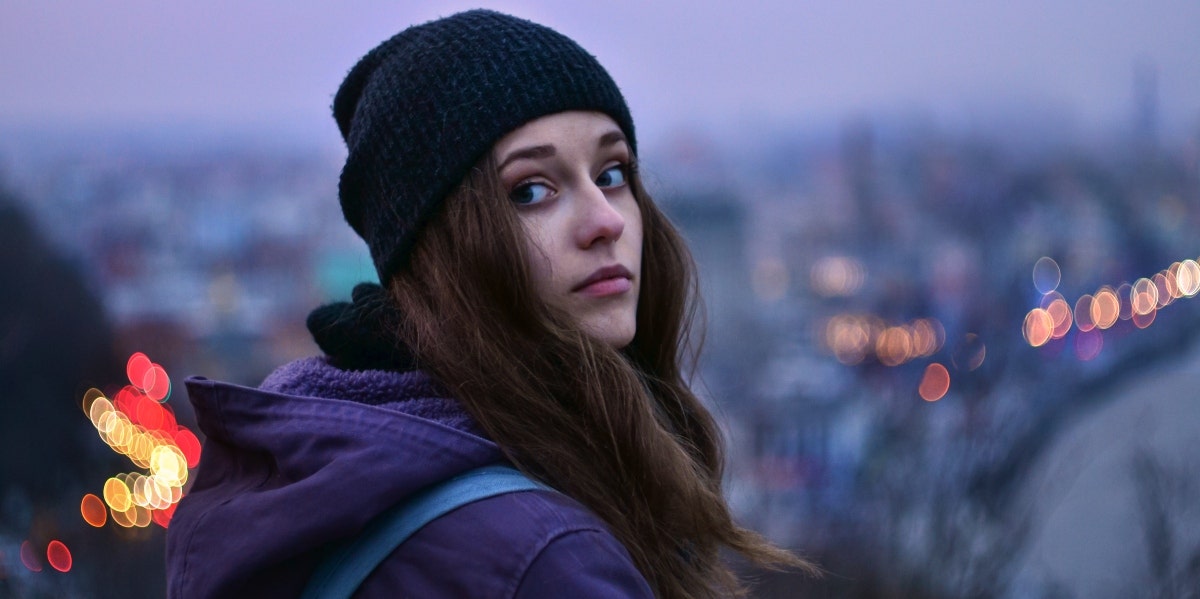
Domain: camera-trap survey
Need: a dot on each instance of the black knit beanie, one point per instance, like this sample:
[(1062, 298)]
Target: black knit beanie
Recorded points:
[(423, 107)]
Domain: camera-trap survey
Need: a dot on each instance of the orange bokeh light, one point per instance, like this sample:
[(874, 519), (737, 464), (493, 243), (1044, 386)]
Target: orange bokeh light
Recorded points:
[(1106, 308), (92, 509), (1050, 298), (927, 336), (894, 346), (1060, 314), (123, 518), (1168, 289), (837, 276), (935, 382), (1038, 327), (849, 337), (1143, 297)]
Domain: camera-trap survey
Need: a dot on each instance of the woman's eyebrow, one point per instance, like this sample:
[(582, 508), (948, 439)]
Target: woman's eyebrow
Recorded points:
[(531, 152), (611, 138)]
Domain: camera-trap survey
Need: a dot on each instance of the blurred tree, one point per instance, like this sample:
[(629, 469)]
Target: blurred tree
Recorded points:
[(55, 342)]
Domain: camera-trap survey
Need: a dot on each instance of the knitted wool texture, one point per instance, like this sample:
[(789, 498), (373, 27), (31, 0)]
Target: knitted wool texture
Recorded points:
[(419, 110)]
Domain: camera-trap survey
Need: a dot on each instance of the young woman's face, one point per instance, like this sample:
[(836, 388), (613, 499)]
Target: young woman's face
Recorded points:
[(568, 174)]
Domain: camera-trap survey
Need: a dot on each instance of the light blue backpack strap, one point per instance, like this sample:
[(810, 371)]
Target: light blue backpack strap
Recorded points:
[(341, 573)]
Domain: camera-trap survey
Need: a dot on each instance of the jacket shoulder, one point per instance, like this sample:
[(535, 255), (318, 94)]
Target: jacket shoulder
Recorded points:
[(526, 544)]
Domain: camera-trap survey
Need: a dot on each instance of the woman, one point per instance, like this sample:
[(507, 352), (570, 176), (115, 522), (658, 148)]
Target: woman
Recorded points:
[(533, 307)]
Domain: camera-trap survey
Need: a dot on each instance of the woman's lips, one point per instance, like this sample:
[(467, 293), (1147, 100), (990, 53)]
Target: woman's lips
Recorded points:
[(610, 280), (607, 287)]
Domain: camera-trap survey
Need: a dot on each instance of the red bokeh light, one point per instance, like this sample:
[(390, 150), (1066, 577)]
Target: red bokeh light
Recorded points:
[(59, 556), (149, 413), (126, 400), (163, 517), (137, 368), (190, 446), (935, 383)]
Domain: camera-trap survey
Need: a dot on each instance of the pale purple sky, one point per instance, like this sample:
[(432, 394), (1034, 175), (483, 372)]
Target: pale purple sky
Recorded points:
[(713, 64)]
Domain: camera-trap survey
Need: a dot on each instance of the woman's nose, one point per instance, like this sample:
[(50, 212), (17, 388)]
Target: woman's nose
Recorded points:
[(598, 220)]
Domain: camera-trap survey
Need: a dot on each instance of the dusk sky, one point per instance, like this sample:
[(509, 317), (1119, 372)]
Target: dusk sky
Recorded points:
[(240, 64)]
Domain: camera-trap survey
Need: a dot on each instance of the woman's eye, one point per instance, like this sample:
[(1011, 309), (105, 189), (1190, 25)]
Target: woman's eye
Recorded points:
[(613, 176), (529, 193)]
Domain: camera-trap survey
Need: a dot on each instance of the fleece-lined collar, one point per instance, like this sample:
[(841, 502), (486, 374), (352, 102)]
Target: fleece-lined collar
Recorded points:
[(413, 392)]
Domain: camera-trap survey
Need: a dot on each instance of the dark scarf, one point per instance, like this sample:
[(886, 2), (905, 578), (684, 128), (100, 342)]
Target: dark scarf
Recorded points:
[(358, 335)]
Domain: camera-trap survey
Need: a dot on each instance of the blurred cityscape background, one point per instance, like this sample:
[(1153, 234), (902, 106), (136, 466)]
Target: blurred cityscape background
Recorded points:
[(948, 255)]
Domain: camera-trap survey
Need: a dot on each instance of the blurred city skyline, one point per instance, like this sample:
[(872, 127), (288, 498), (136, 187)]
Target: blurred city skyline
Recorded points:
[(719, 68), (947, 251)]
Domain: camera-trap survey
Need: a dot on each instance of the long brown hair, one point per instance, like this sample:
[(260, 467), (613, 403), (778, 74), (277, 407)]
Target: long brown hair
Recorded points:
[(618, 430)]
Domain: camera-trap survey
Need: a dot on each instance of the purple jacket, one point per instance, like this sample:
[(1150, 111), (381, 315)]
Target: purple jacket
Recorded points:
[(316, 452)]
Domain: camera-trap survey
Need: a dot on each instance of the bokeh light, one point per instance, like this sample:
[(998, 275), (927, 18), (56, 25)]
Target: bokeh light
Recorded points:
[(137, 367), (1142, 321), (1046, 275), (852, 338), (1168, 290), (935, 382), (1038, 327), (849, 337), (837, 276), (927, 337), (969, 353), (1143, 297), (168, 465), (1106, 308), (1060, 316), (58, 556), (1124, 291), (1083, 313), (160, 389), (141, 516), (1050, 298), (1188, 278), (138, 424), (163, 517), (29, 557), (190, 446), (893, 346), (116, 494), (93, 511), (89, 398), (123, 519), (1138, 302)]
